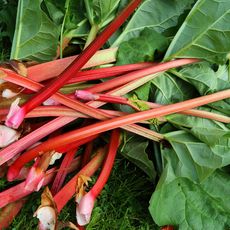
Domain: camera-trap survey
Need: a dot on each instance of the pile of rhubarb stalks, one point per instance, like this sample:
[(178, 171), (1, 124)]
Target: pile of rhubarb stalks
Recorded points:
[(37, 149)]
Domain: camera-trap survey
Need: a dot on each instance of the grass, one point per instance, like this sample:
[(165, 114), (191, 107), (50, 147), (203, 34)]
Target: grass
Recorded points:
[(123, 204)]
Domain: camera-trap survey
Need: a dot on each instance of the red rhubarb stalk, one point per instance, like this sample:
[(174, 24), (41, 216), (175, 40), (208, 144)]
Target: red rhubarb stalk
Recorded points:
[(118, 81), (47, 70), (111, 124), (95, 74), (67, 192), (87, 153), (85, 207), (197, 113), (88, 96), (9, 212), (168, 227), (61, 174), (18, 191), (16, 118)]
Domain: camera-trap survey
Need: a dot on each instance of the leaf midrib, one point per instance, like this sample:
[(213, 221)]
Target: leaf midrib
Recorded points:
[(199, 36)]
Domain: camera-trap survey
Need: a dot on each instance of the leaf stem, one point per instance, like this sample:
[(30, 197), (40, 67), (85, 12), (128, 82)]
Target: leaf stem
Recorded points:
[(92, 35)]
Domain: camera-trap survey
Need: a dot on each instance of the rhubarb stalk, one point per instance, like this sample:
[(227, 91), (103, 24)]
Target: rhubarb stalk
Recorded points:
[(61, 174), (85, 207)]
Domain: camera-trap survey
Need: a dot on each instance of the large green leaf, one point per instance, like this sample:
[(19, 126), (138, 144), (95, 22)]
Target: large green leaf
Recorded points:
[(189, 205), (142, 48), (207, 81), (36, 36), (157, 15), (101, 12), (208, 131), (195, 159), (135, 150), (205, 33), (170, 89)]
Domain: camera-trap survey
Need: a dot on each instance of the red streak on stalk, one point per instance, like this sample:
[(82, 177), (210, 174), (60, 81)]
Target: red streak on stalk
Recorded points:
[(65, 194), (47, 70), (108, 164), (111, 124), (118, 81), (95, 74), (88, 96), (74, 67), (61, 174), (65, 148)]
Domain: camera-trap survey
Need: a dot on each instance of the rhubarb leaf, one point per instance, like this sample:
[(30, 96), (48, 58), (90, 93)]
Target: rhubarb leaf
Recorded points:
[(101, 12), (170, 89), (55, 10), (157, 15), (195, 158), (36, 36), (190, 205), (134, 149), (207, 81), (204, 34), (208, 131), (69, 16), (142, 48)]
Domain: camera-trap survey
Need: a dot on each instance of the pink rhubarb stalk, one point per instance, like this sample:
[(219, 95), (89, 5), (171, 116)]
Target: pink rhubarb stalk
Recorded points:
[(9, 212), (16, 119), (88, 96), (111, 124), (18, 191), (66, 193), (62, 172), (7, 136), (47, 70), (85, 207)]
